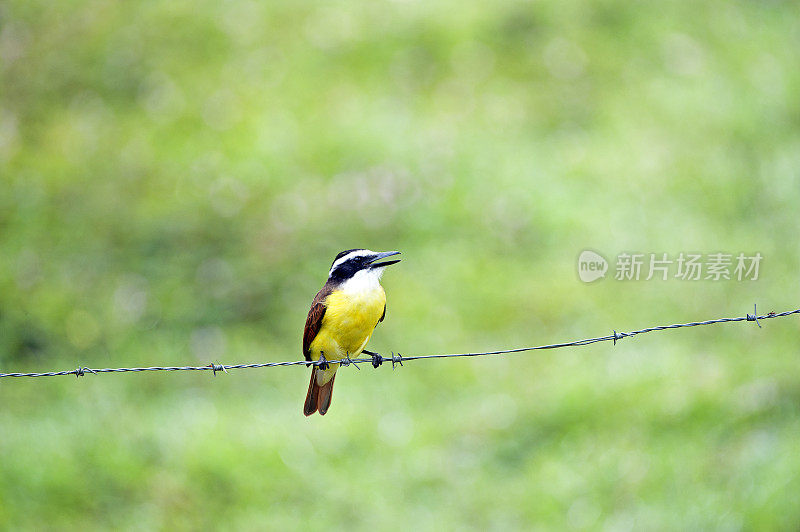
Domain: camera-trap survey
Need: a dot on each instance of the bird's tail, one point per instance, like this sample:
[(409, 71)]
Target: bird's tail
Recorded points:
[(319, 396)]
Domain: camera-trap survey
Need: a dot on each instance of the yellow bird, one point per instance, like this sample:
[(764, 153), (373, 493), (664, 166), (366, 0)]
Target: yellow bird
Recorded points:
[(342, 317)]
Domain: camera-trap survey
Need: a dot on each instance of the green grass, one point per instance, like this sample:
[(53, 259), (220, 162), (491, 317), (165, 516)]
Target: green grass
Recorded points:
[(177, 176)]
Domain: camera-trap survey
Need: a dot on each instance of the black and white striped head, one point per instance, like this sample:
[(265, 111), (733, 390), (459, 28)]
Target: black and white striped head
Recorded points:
[(352, 262)]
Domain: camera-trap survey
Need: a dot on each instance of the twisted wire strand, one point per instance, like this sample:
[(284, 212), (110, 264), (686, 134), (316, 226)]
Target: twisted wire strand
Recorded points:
[(378, 359)]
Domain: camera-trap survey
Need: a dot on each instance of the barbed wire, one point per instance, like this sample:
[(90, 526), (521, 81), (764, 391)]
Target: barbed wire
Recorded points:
[(377, 359)]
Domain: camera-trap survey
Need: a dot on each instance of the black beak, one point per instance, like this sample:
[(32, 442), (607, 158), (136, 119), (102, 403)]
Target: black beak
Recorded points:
[(378, 256)]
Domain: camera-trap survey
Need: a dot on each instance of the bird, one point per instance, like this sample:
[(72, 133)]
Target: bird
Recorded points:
[(342, 318)]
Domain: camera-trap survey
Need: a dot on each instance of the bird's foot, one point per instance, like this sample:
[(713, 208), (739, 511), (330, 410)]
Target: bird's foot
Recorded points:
[(323, 362), (377, 359)]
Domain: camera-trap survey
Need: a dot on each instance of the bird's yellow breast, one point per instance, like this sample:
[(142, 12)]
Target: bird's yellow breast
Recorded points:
[(350, 317)]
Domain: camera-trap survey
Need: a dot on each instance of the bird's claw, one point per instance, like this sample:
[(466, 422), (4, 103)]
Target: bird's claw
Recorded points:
[(323, 362)]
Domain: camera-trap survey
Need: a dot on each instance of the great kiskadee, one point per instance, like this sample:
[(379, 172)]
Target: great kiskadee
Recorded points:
[(342, 317)]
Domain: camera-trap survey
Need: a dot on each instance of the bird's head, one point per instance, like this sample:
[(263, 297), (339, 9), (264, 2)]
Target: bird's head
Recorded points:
[(360, 262)]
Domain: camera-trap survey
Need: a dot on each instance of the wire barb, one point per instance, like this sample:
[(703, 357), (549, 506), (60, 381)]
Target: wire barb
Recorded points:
[(396, 359), (618, 336), (377, 359), (346, 361), (80, 371), (217, 367), (754, 316)]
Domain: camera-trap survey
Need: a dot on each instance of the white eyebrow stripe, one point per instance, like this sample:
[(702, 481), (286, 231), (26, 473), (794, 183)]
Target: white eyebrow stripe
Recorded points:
[(352, 254)]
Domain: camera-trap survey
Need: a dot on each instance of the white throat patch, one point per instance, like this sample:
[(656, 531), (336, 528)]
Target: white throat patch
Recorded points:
[(363, 281)]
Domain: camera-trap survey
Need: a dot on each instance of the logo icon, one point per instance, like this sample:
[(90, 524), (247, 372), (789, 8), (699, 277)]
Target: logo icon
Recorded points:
[(591, 266)]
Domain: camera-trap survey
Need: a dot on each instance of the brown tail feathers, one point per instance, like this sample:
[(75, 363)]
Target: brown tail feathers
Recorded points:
[(319, 397)]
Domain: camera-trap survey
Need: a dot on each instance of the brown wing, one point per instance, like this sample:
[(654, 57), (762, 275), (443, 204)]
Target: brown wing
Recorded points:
[(384, 313), (314, 319)]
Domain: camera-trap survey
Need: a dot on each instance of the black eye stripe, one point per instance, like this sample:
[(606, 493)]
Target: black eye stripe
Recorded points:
[(343, 253), (353, 261), (347, 268)]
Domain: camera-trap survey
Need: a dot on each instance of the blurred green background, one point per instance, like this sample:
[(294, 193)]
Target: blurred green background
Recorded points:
[(178, 176)]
